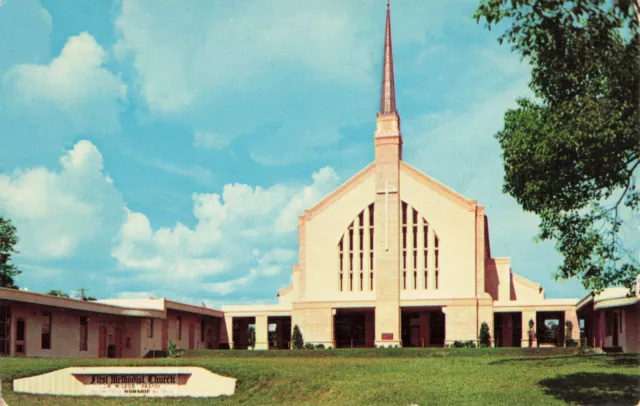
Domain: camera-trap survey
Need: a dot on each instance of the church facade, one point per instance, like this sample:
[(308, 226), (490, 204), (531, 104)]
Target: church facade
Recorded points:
[(394, 258)]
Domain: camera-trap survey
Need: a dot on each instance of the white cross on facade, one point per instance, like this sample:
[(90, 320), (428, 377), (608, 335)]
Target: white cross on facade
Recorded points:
[(386, 192)]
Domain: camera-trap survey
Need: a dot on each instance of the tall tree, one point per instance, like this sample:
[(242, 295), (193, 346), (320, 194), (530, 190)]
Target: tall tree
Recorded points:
[(8, 240), (571, 154)]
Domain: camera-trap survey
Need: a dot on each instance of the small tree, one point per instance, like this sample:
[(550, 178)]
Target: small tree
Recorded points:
[(531, 332), (485, 335), (568, 333), (173, 351), (296, 338), (57, 293), (8, 240), (251, 341)]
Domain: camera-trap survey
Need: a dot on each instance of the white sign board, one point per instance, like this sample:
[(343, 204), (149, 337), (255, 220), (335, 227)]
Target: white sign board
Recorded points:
[(128, 382)]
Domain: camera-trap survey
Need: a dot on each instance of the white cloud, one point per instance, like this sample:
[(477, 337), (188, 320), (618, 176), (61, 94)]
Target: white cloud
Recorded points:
[(243, 228), (224, 288), (56, 213), (182, 51), (75, 83), (208, 140)]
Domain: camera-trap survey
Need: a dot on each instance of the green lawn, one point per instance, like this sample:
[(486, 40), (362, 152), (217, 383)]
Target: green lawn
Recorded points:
[(380, 377)]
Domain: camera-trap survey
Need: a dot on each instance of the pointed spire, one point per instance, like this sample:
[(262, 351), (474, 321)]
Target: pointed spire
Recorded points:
[(388, 92)]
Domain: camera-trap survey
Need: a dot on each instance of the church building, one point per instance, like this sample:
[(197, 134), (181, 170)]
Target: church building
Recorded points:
[(394, 258), (390, 258)]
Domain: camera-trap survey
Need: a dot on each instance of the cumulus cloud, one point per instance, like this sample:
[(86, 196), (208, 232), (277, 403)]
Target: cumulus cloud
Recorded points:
[(241, 234), (182, 51), (57, 212), (75, 83)]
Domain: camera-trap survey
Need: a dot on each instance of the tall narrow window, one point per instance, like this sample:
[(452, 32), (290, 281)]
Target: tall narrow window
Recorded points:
[(426, 280), (415, 237), (351, 239), (361, 260), (371, 281), (202, 330), (371, 216), (84, 330), (404, 260), (341, 284), (436, 249), (404, 237), (179, 327), (426, 239), (371, 261), (404, 213), (150, 330), (415, 259), (341, 262), (361, 281), (415, 279), (46, 331), (371, 238), (404, 280), (361, 235), (351, 281), (351, 261)]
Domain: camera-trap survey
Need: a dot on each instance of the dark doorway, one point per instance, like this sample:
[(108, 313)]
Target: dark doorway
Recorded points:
[(21, 338), (550, 328), (507, 329), (615, 330), (5, 331), (437, 329), (423, 327), (354, 328), (279, 332), (241, 326)]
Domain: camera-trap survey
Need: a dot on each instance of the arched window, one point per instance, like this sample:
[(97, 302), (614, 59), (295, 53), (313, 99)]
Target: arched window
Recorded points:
[(416, 259), (355, 254), (419, 255)]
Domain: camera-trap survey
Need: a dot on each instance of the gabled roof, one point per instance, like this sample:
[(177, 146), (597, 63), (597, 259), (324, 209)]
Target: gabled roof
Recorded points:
[(340, 191), (440, 188)]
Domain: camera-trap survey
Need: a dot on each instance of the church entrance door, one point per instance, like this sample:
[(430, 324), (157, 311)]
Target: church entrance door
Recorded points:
[(354, 328), (423, 327)]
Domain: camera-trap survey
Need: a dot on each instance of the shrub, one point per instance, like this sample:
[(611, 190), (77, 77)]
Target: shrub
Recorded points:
[(296, 338), (320, 346), (531, 332), (251, 340), (485, 335), (309, 346), (173, 351), (463, 344)]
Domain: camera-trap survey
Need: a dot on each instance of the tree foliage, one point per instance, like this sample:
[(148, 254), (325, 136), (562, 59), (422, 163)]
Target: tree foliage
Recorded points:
[(296, 338), (251, 340), (8, 240), (57, 293), (571, 155), (485, 335)]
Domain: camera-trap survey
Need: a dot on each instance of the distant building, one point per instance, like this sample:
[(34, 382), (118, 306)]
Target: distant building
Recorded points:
[(610, 320), (38, 325)]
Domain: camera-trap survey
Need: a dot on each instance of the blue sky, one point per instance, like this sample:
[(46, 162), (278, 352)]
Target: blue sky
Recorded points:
[(156, 148)]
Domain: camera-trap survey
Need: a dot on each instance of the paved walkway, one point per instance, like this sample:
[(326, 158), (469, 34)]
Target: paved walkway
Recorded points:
[(2, 402)]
